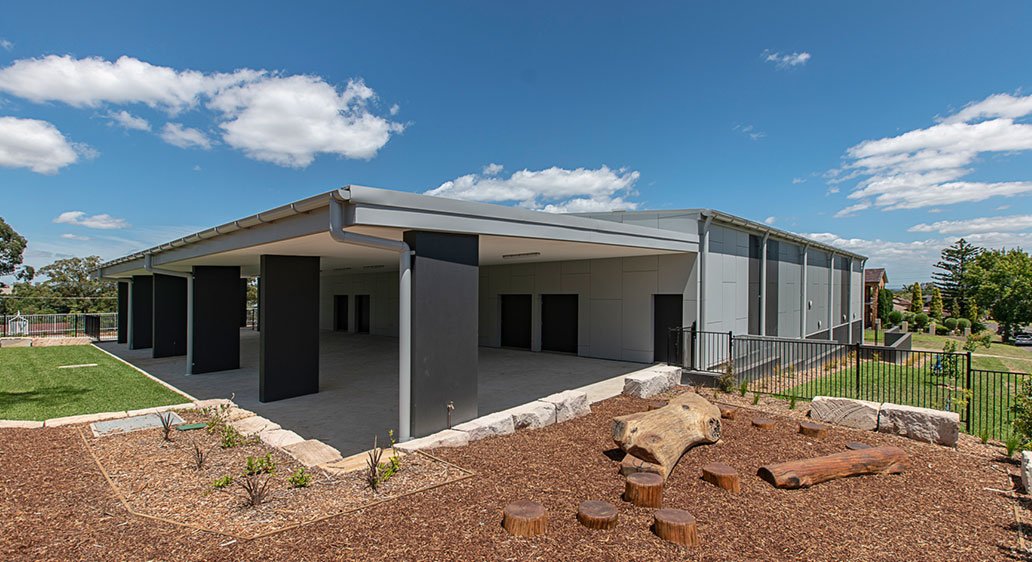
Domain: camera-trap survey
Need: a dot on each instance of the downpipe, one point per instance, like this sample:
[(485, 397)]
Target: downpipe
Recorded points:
[(338, 201)]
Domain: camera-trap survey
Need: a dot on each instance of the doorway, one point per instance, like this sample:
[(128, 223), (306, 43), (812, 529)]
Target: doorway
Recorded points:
[(559, 323), (362, 314), (516, 321), (340, 313), (666, 314)]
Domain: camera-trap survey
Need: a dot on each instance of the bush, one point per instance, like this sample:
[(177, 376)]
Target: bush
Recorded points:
[(895, 317), (977, 327), (301, 478), (950, 324), (942, 330), (222, 481), (963, 323), (909, 317), (920, 321), (1022, 409)]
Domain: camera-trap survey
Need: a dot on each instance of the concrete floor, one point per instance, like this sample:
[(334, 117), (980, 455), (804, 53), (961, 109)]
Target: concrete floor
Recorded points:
[(358, 384)]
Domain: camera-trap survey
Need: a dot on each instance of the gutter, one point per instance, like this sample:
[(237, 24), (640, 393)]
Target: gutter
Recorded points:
[(338, 201)]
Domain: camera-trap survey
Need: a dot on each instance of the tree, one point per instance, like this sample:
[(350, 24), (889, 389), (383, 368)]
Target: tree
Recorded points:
[(1002, 280), (69, 287), (955, 309), (953, 278), (884, 304), (916, 298), (936, 309), (12, 246)]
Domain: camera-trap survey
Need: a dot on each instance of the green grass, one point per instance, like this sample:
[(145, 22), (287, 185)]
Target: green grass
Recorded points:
[(32, 387), (998, 357)]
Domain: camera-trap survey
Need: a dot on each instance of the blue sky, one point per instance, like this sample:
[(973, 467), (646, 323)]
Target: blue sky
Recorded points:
[(846, 122)]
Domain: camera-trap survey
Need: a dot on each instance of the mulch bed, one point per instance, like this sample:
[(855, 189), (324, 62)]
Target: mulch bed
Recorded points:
[(56, 505), (160, 479)]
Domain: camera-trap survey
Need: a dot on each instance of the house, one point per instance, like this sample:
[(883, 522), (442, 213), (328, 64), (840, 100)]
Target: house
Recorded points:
[(450, 278), (875, 280)]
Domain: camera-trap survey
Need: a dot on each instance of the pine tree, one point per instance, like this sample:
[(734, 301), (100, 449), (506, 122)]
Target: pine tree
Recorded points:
[(936, 308), (954, 266), (916, 299), (973, 312), (955, 309)]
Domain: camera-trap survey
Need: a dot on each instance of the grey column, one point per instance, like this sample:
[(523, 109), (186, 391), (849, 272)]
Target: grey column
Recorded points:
[(289, 350), (123, 312), (831, 295), (169, 333), (445, 284), (802, 293), (216, 334), (141, 310), (763, 284)]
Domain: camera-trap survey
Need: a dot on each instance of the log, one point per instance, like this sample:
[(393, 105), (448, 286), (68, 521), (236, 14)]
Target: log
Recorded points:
[(807, 472), (644, 489), (597, 514), (524, 518), (727, 412), (657, 404), (662, 436), (677, 526), (763, 423), (722, 476), (812, 429), (631, 464), (856, 446)]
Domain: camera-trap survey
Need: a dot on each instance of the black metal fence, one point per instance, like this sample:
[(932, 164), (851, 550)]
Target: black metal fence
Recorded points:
[(806, 368), (45, 325)]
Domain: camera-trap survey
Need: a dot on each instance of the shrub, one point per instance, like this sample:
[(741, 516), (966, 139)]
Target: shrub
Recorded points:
[(895, 317), (260, 465), (920, 320), (973, 341), (743, 388), (909, 317), (963, 323), (200, 455), (941, 330), (222, 482), (1022, 409), (791, 402), (755, 399), (379, 472), (166, 426), (978, 327), (726, 381), (254, 482), (950, 324), (1012, 443), (301, 478)]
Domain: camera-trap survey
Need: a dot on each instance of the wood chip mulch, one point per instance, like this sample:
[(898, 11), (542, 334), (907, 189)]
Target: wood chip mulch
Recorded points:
[(56, 505)]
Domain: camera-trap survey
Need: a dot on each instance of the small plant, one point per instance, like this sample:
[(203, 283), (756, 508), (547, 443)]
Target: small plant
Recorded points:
[(301, 478), (260, 465), (726, 382), (372, 474), (1012, 443), (743, 388), (393, 464), (255, 488), (984, 435), (755, 399), (791, 402), (973, 341), (200, 456), (166, 426), (222, 482), (229, 437)]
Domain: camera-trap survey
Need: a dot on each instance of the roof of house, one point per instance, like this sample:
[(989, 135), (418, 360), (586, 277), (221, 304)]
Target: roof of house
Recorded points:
[(875, 275)]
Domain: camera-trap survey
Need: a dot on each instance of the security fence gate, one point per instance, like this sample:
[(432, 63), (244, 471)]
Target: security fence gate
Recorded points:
[(796, 368)]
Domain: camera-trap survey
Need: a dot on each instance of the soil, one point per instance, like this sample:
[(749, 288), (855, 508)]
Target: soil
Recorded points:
[(949, 504)]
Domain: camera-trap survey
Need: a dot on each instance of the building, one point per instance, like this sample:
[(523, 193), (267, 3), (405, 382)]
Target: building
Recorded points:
[(875, 280), (446, 277)]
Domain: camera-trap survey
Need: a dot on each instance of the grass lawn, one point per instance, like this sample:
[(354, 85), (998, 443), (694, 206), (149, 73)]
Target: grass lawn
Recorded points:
[(999, 357), (32, 387)]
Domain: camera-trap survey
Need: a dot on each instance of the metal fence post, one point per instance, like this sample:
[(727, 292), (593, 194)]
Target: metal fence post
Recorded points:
[(731, 353), (856, 351), (970, 394), (694, 343)]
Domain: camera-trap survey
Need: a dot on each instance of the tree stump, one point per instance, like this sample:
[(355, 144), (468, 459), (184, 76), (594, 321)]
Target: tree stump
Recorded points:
[(644, 489), (807, 472), (856, 446), (812, 429), (722, 476), (662, 436), (597, 514), (657, 404), (677, 526), (763, 423), (632, 464), (728, 412), (524, 518)]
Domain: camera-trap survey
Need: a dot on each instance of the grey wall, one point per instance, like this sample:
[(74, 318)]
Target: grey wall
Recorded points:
[(729, 292), (382, 288)]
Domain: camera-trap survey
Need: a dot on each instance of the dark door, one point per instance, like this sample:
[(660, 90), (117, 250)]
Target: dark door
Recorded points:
[(559, 323), (340, 313), (516, 321), (666, 314), (362, 314)]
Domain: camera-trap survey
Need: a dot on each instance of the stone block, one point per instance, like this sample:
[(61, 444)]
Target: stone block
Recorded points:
[(533, 415), (569, 404), (312, 452), (60, 341), (672, 372), (858, 414), (920, 424), (84, 418), (234, 414), (253, 425), (444, 438), (646, 384), (280, 437), (160, 409), (213, 403), (1026, 470), (490, 425), (15, 342), (20, 424)]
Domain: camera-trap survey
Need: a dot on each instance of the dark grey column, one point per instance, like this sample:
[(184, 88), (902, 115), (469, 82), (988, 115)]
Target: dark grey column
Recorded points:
[(169, 316), (216, 335), (243, 302), (123, 311), (141, 307), (288, 364), (445, 276)]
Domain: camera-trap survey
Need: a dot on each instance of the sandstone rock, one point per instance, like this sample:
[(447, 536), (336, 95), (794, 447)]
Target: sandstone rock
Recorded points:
[(20, 424), (569, 404), (445, 438), (920, 424), (312, 452), (673, 373), (280, 437), (487, 426), (858, 414), (60, 341), (533, 415), (15, 342), (84, 418), (645, 384), (213, 403), (253, 425), (1026, 470)]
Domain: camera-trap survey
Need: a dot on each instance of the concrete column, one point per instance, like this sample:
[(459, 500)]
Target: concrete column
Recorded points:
[(169, 332), (215, 335), (123, 312), (141, 312), (763, 285), (243, 302), (849, 302), (700, 302), (288, 364), (445, 285), (831, 295), (802, 292)]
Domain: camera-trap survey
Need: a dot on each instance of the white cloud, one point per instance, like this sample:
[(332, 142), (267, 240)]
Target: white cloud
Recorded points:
[(1012, 223), (493, 169), (36, 145), (288, 121), (786, 60), (197, 168), (925, 167), (797, 181), (395, 109), (852, 209), (750, 131), (93, 81), (770, 220), (74, 237), (128, 121), (7, 45), (184, 137), (555, 190), (102, 221)]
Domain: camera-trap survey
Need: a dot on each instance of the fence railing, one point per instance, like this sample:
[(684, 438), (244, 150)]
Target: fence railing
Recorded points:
[(102, 325), (806, 368)]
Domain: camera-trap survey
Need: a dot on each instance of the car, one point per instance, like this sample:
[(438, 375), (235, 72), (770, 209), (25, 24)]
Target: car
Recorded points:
[(1023, 338)]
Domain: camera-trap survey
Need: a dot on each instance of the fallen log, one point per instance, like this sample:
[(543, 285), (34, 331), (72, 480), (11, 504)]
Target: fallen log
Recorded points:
[(807, 472), (663, 435), (631, 464)]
